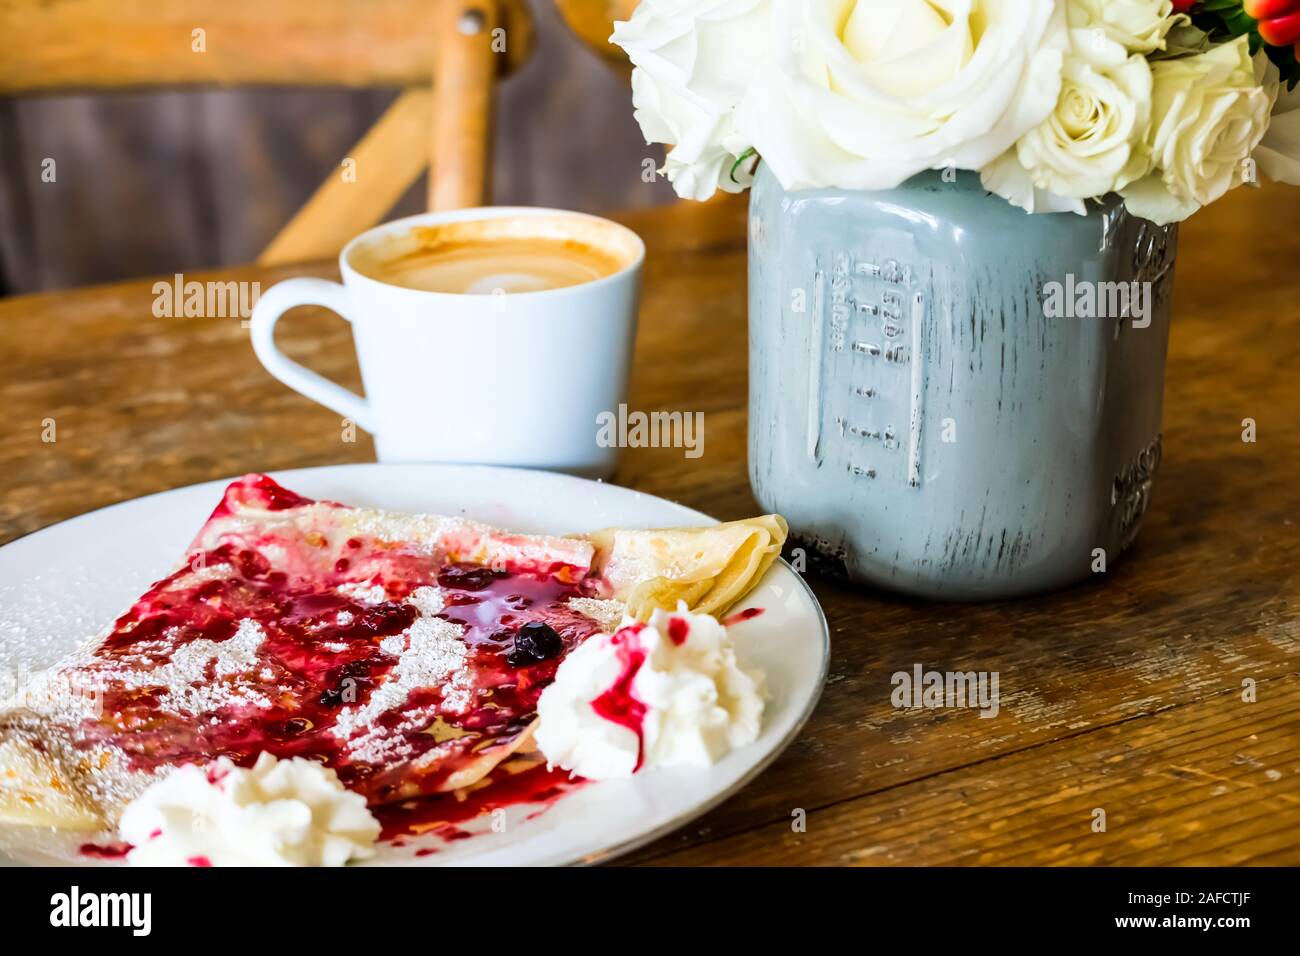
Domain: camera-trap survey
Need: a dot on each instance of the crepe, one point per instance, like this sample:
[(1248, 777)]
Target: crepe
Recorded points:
[(407, 652), (710, 568)]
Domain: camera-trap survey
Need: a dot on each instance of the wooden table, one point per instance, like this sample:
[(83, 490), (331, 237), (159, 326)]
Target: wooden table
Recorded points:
[(1125, 694)]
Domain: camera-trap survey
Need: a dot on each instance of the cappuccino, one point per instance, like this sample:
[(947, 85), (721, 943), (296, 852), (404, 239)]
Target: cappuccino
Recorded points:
[(495, 256)]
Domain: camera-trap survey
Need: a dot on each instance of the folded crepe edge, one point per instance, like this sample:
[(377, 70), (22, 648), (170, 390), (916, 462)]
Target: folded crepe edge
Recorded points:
[(711, 568), (37, 790)]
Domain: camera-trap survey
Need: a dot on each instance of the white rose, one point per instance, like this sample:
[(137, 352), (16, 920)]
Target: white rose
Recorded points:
[(863, 94), (1208, 113), (1278, 153), (1140, 25), (693, 60), (1092, 143)]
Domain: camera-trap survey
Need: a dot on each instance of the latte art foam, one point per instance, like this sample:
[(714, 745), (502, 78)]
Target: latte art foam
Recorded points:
[(494, 256)]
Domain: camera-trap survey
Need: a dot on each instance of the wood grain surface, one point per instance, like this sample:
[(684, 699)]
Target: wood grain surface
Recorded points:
[(1124, 695)]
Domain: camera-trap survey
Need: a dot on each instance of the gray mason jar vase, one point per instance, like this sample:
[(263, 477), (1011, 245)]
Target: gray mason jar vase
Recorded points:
[(949, 397)]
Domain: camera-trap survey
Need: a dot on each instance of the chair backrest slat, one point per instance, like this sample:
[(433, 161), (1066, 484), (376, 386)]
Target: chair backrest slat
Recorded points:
[(105, 44), (448, 53)]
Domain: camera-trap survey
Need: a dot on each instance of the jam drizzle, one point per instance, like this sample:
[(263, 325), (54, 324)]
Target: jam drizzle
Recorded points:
[(517, 782), (326, 646), (619, 704), (748, 614), (108, 851), (678, 630)]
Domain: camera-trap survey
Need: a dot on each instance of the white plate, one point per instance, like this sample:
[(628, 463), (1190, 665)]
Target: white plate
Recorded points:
[(63, 584)]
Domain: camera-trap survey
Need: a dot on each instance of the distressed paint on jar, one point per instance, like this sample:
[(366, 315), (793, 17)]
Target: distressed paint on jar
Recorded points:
[(917, 417)]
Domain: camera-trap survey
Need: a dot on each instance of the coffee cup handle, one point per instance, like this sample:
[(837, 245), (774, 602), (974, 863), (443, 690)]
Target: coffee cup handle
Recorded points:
[(279, 299)]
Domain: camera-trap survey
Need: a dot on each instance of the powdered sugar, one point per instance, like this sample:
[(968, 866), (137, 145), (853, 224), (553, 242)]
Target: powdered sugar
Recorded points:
[(187, 688), (459, 692), (363, 593), (428, 600), (200, 572), (428, 653), (167, 676)]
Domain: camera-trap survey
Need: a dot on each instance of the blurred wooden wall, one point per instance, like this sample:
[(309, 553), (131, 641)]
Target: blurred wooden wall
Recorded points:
[(150, 183)]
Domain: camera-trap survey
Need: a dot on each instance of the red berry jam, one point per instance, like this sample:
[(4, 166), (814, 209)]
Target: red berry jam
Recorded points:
[(748, 614), (325, 617), (444, 814), (619, 704), (110, 851)]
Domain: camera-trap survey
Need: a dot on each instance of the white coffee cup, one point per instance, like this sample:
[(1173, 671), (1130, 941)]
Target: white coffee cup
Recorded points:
[(507, 379)]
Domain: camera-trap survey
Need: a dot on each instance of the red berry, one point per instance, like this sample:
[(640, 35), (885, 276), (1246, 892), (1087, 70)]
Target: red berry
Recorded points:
[(1265, 9), (1281, 31)]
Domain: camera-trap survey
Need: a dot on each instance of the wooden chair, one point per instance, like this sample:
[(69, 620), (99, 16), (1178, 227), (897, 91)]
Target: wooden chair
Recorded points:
[(445, 53)]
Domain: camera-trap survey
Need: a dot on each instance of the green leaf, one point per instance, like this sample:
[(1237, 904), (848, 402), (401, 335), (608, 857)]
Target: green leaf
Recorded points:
[(1224, 20), (1185, 39)]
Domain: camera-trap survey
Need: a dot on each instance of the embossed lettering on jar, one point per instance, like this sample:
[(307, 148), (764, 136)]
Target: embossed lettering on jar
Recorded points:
[(915, 412)]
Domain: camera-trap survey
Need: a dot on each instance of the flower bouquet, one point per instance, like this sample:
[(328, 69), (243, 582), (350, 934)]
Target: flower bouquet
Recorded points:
[(1168, 103), (926, 409)]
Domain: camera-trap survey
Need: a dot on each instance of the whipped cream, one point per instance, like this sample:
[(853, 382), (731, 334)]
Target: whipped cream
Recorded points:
[(279, 813), (656, 694)]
